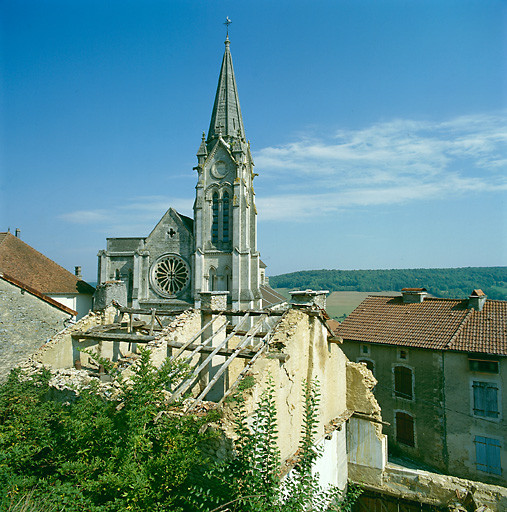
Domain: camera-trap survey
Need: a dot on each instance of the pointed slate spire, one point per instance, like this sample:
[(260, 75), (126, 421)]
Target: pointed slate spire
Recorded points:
[(226, 117)]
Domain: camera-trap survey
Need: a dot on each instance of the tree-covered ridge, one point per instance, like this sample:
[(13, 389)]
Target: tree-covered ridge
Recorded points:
[(440, 282)]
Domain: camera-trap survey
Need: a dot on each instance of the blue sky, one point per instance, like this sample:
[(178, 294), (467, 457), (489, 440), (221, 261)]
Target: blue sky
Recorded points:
[(378, 128)]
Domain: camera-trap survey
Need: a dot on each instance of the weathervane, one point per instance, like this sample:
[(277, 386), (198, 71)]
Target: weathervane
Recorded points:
[(227, 23)]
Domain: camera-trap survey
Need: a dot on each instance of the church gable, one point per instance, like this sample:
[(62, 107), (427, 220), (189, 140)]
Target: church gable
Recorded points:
[(172, 234)]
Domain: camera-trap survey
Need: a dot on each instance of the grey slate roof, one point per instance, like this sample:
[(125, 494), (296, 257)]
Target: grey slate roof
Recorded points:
[(270, 297), (226, 116)]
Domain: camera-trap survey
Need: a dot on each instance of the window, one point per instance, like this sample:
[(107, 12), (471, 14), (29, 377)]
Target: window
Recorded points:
[(405, 428), (225, 217), (403, 382), (402, 354), (487, 455), (212, 283), (483, 365), (485, 399), (214, 220), (369, 364), (365, 350)]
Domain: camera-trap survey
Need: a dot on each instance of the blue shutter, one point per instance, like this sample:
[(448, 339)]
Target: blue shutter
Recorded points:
[(493, 456), (491, 401), (487, 455), (479, 405), (480, 453)]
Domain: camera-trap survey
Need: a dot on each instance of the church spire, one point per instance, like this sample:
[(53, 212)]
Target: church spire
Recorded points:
[(226, 119)]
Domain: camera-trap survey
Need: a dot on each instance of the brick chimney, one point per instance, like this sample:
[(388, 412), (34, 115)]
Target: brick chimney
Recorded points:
[(413, 295), (476, 300)]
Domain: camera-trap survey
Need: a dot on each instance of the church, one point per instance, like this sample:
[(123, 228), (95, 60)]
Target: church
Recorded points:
[(217, 249)]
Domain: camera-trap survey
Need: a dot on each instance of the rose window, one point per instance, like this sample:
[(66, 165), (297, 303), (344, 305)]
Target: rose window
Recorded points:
[(170, 275)]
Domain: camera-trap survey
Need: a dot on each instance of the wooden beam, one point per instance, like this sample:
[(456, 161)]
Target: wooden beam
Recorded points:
[(244, 333), (113, 336), (244, 354), (139, 311), (241, 313)]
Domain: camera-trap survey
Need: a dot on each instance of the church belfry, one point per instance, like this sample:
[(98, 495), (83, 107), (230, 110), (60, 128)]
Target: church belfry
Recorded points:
[(225, 217)]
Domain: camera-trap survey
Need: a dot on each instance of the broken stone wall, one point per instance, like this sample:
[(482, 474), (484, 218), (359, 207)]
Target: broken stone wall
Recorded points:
[(312, 357)]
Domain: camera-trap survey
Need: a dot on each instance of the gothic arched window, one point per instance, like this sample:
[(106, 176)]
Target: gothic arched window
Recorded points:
[(228, 279), (225, 217), (212, 283), (214, 219)]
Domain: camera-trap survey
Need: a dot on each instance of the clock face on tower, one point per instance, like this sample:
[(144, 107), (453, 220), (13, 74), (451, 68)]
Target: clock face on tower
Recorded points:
[(219, 169)]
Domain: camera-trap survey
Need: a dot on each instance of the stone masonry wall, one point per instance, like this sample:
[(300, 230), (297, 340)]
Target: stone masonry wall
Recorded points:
[(26, 322)]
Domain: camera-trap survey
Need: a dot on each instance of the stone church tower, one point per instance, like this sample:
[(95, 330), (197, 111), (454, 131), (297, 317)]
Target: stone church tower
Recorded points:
[(217, 250), (225, 217)]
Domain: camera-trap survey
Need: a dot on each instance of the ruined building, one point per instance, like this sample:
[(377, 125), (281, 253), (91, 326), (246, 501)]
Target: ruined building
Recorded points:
[(194, 291), (217, 249)]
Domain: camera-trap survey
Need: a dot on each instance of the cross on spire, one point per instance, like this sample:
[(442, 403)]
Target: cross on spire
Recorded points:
[(227, 23)]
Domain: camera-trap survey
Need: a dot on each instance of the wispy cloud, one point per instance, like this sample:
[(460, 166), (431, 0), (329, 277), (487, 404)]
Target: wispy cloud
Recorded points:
[(133, 217), (384, 164), (387, 163)]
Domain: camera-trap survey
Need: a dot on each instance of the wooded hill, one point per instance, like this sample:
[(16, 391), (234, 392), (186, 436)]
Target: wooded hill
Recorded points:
[(440, 282)]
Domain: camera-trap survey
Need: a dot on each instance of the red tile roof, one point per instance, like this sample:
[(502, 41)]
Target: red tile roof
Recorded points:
[(28, 266), (441, 324)]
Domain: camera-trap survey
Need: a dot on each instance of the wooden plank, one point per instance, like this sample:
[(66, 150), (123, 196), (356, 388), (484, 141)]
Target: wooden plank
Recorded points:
[(119, 336), (194, 338), (189, 382), (152, 323), (244, 354), (242, 374), (227, 363), (140, 311), (251, 312)]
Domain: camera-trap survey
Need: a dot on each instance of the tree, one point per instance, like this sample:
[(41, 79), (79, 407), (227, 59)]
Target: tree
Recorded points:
[(251, 480)]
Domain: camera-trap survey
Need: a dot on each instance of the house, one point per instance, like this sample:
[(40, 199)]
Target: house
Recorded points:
[(37, 299), (441, 368), (22, 264)]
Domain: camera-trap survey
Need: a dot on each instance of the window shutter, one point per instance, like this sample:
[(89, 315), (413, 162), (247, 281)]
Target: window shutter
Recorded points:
[(487, 455), (493, 456), (405, 428), (479, 405), (491, 405), (480, 453), (403, 382)]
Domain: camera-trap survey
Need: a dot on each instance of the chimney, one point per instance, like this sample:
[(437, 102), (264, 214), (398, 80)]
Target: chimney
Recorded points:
[(77, 272), (413, 295), (476, 300), (18, 233), (309, 298)]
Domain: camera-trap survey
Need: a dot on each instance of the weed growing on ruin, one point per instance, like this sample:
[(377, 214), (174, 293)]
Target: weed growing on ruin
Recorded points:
[(94, 454), (251, 481)]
